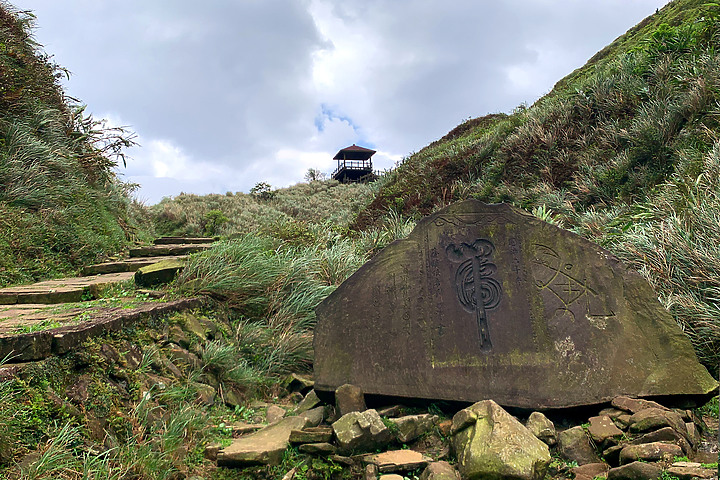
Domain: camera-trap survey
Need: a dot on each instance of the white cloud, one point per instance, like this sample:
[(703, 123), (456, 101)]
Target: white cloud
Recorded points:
[(229, 94)]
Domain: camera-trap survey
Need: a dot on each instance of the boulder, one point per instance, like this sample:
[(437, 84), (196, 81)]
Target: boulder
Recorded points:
[(361, 432), (482, 301), (635, 471), (440, 471), (159, 273), (265, 446), (574, 445), (349, 398), (649, 452), (540, 426), (496, 445), (411, 427)]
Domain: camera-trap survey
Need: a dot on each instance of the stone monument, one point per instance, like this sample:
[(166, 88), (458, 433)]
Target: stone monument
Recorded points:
[(488, 302)]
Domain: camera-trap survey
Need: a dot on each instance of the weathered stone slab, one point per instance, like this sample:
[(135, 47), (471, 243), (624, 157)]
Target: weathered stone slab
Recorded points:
[(264, 446), (159, 273), (162, 250), (129, 265), (182, 240), (550, 305)]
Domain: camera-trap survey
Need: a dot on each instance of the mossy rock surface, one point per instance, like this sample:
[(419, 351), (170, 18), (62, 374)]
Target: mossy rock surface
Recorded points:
[(159, 273)]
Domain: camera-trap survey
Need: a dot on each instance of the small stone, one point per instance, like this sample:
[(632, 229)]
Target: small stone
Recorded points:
[(180, 356), (612, 455), (311, 435), (634, 405), (649, 452), (371, 472), (691, 472), (398, 461), (299, 383), (440, 471), (349, 398), (590, 471), (211, 451), (611, 412), (602, 428), (317, 448), (635, 471), (656, 418), (361, 431), (178, 337), (241, 428), (391, 476), (411, 427), (310, 401), (666, 434), (574, 445), (622, 421), (444, 427), (540, 426), (295, 397), (314, 417), (205, 393), (462, 420), (274, 413), (391, 412)]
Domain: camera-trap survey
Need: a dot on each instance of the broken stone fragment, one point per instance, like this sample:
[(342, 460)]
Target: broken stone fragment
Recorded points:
[(666, 434), (349, 398), (440, 471), (540, 426), (314, 416), (274, 413), (317, 448), (311, 435), (411, 427), (649, 452), (602, 428), (310, 401), (634, 405), (398, 461), (690, 471), (361, 431), (574, 445), (655, 418), (496, 445), (265, 446), (635, 471), (590, 471)]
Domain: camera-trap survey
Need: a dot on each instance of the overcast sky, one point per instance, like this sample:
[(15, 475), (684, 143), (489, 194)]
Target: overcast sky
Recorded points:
[(224, 94)]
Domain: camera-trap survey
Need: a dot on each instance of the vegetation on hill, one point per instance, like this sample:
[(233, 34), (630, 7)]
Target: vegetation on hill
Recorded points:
[(61, 204)]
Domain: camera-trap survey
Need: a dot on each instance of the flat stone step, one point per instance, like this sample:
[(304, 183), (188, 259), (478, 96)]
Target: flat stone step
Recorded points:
[(129, 265), (75, 326), (164, 250), (182, 240), (64, 290)]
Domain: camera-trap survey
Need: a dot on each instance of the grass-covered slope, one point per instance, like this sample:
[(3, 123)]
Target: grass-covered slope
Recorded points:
[(624, 151), (61, 204)]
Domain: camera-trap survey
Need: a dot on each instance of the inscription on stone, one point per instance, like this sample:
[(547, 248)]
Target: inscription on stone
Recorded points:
[(476, 290), (487, 302)]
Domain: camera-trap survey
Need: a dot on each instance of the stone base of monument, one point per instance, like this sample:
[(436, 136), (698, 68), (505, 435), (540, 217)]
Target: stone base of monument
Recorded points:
[(628, 438)]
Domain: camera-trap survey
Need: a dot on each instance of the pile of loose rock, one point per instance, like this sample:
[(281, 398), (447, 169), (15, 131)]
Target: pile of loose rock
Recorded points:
[(634, 439)]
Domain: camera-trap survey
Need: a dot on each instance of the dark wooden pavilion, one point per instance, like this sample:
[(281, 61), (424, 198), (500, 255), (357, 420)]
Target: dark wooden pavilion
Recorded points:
[(354, 165)]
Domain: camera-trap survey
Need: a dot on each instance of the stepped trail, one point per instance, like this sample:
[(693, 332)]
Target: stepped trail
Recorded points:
[(54, 316)]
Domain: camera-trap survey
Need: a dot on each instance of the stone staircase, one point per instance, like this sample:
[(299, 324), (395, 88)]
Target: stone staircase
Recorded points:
[(49, 317)]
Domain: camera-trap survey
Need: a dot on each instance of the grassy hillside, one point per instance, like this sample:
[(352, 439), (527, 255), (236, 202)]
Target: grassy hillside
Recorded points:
[(61, 204)]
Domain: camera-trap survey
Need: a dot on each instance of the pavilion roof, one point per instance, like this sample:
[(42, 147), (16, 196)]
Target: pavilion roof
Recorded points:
[(354, 152)]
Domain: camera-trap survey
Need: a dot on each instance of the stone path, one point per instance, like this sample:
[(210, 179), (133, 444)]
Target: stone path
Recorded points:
[(49, 317)]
